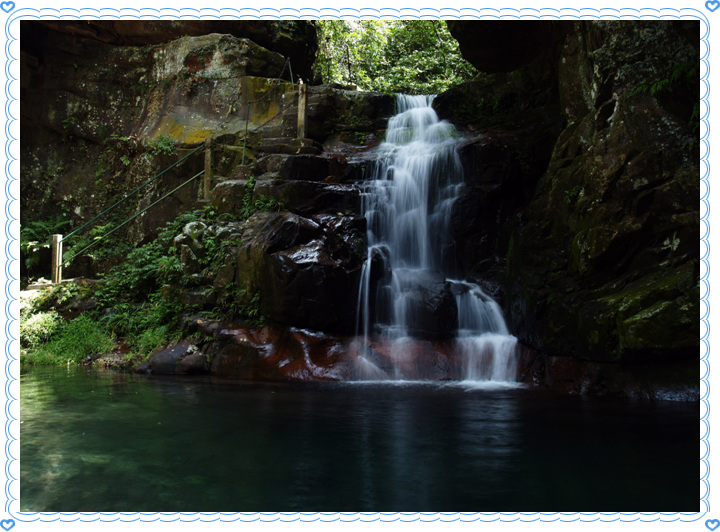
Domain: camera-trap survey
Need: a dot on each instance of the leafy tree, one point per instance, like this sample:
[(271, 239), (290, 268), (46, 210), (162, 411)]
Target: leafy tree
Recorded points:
[(409, 56)]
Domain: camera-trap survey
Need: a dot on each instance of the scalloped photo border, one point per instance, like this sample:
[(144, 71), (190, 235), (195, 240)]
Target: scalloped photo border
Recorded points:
[(14, 14)]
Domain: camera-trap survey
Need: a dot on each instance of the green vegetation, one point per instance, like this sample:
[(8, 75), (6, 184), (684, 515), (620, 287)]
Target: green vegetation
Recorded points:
[(136, 306), (124, 149), (114, 245), (251, 311), (681, 72), (71, 342), (572, 195), (34, 237), (407, 56), (262, 203), (162, 145)]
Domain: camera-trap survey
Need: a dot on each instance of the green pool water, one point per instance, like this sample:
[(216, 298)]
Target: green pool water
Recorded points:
[(98, 441)]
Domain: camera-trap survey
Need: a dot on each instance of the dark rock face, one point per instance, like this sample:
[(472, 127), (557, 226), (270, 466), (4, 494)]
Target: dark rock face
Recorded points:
[(500, 46), (602, 239), (296, 40), (332, 108), (307, 197), (304, 288)]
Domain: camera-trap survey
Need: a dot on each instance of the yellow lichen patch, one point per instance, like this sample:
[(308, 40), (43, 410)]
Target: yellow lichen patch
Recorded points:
[(267, 97), (190, 132)]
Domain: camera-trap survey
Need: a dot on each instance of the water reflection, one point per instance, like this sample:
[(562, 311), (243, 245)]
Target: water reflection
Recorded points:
[(112, 442)]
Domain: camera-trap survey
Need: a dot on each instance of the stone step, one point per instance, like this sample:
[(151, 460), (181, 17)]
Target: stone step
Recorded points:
[(232, 147), (275, 141), (267, 176), (289, 146), (308, 197), (270, 163), (227, 196)]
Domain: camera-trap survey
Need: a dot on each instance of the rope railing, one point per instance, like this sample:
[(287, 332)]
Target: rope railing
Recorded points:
[(132, 193), (58, 240), (101, 238)]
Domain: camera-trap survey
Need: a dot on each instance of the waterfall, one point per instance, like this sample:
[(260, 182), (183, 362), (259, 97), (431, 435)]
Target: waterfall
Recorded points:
[(406, 287)]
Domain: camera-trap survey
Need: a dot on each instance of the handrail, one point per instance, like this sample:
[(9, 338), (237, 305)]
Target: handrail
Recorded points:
[(133, 192), (59, 239), (100, 239)]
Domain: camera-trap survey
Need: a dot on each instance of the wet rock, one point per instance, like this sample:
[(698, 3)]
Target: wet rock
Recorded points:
[(232, 360), (143, 368), (192, 364), (164, 361), (428, 303), (302, 272), (227, 196), (276, 353), (311, 168), (345, 237), (265, 233), (308, 288)]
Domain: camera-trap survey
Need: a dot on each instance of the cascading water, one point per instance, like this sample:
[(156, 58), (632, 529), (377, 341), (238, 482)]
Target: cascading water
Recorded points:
[(405, 289)]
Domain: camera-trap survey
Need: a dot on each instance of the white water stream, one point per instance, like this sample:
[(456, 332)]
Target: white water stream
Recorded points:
[(406, 284)]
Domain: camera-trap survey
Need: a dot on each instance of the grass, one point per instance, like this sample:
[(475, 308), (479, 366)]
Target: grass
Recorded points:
[(38, 328), (71, 343)]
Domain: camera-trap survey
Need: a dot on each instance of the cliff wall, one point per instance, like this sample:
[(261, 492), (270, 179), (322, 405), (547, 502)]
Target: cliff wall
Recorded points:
[(592, 203)]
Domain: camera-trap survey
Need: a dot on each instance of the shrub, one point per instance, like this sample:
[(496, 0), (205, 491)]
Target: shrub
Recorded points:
[(38, 328), (73, 343)]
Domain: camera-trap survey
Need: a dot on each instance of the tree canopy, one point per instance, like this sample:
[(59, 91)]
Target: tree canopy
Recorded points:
[(406, 56)]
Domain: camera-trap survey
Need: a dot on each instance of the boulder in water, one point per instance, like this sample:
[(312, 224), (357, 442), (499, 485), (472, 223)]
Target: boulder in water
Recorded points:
[(425, 303)]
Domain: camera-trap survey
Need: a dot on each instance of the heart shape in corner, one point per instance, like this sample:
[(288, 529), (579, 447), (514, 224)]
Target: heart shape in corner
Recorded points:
[(7, 7), (7, 524), (712, 5), (712, 524)]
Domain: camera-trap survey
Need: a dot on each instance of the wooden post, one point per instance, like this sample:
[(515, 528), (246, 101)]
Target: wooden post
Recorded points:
[(207, 179), (302, 105), (56, 264)]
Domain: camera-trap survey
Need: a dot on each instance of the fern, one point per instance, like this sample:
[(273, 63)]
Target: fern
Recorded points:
[(36, 235)]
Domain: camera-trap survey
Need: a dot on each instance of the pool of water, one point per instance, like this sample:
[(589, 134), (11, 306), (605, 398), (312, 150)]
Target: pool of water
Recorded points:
[(97, 441)]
